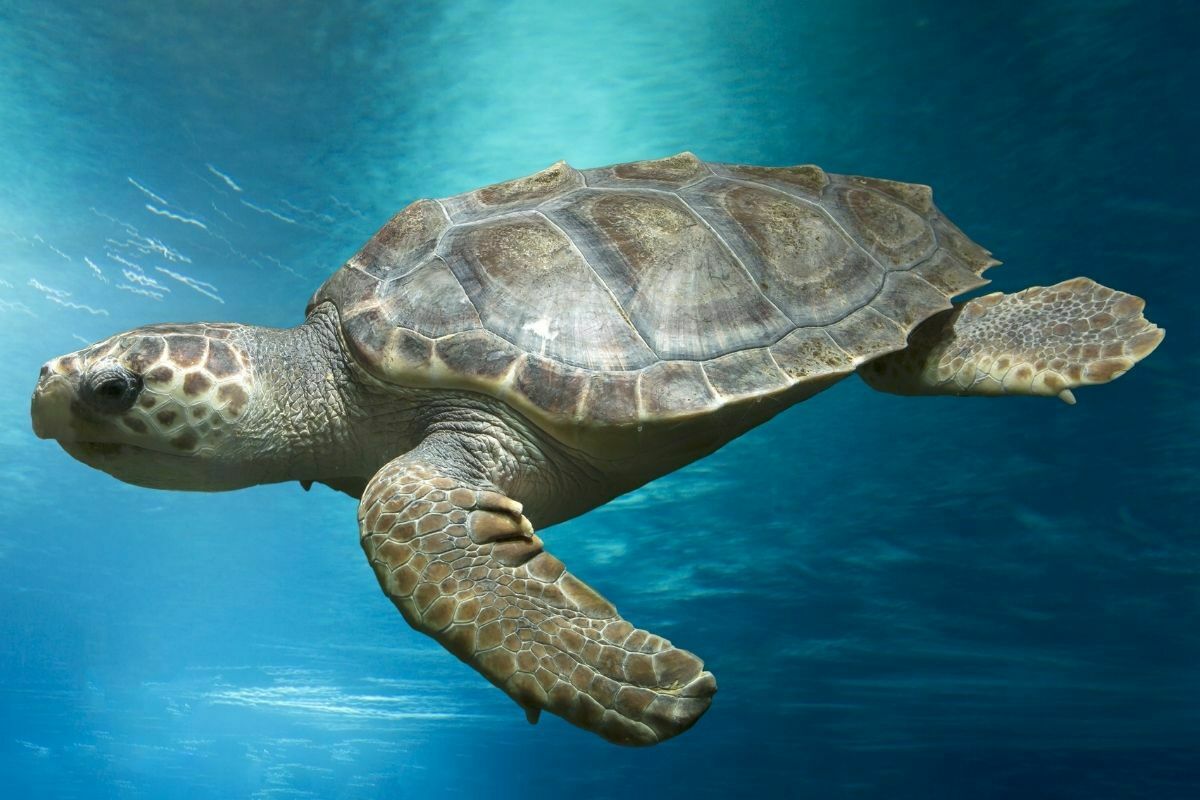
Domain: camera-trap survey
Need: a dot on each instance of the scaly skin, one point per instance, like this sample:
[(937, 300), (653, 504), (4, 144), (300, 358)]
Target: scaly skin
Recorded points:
[(1044, 340), (463, 565)]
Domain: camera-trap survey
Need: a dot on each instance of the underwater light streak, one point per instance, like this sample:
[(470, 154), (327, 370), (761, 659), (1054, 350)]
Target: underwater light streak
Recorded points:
[(117, 258), (136, 275), (347, 206), (223, 214), (136, 290), (147, 192), (14, 305), (269, 213), (59, 296), (96, 271), (56, 250), (306, 211), (280, 264), (143, 244), (327, 700), (177, 217), (49, 291), (204, 288), (228, 180)]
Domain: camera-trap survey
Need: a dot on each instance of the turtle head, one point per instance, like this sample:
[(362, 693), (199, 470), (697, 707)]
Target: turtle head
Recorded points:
[(162, 406)]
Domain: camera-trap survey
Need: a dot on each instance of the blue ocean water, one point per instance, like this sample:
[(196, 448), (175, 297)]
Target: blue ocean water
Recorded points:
[(901, 598)]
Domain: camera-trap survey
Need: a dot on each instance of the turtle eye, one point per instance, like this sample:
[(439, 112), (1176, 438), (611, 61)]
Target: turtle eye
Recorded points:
[(111, 388)]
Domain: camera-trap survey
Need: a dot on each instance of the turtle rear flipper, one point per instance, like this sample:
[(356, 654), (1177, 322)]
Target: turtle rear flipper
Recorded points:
[(1045, 340), (463, 565)]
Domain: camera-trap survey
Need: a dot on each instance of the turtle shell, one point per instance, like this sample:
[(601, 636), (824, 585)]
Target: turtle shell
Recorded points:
[(650, 291)]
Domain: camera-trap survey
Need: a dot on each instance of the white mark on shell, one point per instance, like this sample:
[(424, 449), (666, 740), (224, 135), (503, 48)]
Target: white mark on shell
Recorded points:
[(542, 328)]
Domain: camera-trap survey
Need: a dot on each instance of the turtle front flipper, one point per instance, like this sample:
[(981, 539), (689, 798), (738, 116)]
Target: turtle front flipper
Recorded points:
[(1045, 340), (463, 565)]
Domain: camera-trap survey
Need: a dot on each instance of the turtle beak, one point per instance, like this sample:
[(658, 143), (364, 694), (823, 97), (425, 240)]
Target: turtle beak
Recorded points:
[(51, 405)]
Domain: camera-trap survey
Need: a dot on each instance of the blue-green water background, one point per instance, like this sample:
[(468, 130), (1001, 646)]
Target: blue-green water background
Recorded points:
[(901, 598)]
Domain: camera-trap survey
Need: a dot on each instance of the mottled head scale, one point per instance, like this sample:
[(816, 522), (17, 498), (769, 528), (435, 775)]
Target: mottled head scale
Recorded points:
[(135, 402)]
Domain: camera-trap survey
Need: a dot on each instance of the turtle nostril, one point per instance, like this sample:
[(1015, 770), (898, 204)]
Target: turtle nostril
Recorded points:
[(45, 370)]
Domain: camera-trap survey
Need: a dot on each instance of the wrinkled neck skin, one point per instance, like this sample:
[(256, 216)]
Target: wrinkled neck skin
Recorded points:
[(307, 420), (313, 418), (321, 417)]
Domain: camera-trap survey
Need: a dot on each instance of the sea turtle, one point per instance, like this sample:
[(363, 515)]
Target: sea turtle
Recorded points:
[(498, 361)]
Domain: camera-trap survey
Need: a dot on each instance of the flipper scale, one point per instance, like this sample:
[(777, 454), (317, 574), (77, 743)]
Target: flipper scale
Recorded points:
[(463, 565)]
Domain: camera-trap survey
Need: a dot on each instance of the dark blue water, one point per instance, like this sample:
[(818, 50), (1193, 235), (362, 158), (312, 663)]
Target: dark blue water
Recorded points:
[(926, 598)]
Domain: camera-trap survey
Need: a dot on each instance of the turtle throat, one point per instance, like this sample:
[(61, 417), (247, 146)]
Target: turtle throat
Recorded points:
[(319, 416)]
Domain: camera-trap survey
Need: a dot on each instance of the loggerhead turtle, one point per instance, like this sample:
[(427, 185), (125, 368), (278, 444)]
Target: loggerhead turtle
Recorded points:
[(508, 358)]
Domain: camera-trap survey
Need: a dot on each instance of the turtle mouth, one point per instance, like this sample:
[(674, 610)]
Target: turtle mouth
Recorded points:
[(107, 452), (131, 463), (101, 448)]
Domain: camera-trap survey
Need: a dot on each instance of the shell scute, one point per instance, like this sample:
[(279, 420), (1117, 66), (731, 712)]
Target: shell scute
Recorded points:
[(867, 333), (430, 300), (612, 398), (805, 264), (681, 168), (405, 235), (481, 354), (651, 292), (533, 287), (350, 286), (551, 385), (367, 333), (892, 232), (526, 192), (947, 274), (668, 173), (672, 387), (807, 353), (806, 179), (916, 196), (957, 244), (744, 373), (672, 275), (406, 353), (907, 299)]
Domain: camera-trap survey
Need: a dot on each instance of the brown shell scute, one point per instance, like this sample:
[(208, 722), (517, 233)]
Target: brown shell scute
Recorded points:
[(524, 192), (395, 250), (480, 353), (745, 373), (429, 300), (893, 233), (801, 259), (672, 275), (672, 387), (947, 274), (916, 196), (654, 290), (865, 333), (413, 230), (808, 179), (808, 353), (534, 289), (907, 299), (666, 174), (678, 169), (551, 385)]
